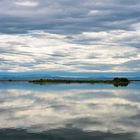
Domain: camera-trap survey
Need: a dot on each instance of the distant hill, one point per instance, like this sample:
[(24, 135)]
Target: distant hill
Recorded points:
[(66, 75)]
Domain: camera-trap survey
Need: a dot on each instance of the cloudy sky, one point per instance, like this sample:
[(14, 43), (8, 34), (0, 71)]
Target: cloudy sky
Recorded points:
[(69, 35)]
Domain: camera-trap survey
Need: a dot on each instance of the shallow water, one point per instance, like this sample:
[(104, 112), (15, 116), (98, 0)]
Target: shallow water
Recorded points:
[(69, 112)]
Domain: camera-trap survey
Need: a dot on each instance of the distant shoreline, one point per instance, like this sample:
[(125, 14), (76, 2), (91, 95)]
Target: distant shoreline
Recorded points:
[(116, 81)]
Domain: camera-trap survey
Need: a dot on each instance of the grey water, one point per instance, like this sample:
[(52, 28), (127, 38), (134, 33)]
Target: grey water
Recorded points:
[(69, 111)]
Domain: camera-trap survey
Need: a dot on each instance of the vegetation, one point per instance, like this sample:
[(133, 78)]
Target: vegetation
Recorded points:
[(121, 82), (116, 81)]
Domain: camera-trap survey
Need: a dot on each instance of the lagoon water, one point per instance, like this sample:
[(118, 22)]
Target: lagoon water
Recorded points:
[(69, 111)]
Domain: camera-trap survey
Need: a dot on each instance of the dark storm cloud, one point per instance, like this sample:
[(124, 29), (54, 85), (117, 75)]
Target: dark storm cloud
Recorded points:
[(67, 16)]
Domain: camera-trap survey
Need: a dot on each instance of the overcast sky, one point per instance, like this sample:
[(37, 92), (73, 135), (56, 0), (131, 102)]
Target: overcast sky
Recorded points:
[(70, 35)]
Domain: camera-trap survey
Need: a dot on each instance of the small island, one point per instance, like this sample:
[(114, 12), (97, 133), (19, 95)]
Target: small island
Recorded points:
[(116, 81)]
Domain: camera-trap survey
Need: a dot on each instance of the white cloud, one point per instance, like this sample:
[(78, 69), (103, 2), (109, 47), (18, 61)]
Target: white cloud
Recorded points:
[(105, 51), (94, 12), (27, 3)]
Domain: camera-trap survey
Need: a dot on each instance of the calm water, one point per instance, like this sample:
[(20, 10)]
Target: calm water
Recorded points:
[(69, 112)]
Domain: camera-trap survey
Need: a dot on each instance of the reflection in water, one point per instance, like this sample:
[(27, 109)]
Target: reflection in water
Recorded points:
[(121, 84), (61, 112)]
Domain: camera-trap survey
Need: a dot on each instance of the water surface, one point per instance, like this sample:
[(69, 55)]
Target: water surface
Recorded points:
[(69, 111)]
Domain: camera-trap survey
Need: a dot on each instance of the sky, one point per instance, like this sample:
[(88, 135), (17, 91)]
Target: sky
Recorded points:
[(69, 35)]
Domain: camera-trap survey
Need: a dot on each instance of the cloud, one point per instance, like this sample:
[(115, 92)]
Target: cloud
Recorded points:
[(69, 35), (68, 17), (100, 51), (26, 3)]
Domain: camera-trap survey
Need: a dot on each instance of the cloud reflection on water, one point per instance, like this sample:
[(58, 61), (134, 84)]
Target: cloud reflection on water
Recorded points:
[(105, 110)]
